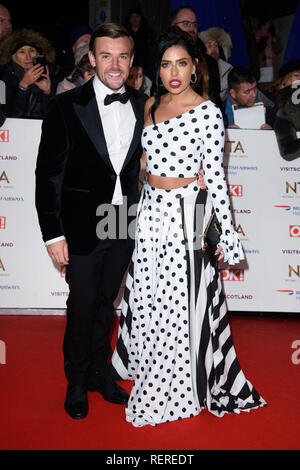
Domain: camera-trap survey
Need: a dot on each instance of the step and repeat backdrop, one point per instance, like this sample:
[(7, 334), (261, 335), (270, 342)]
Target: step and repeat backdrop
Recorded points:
[(265, 198)]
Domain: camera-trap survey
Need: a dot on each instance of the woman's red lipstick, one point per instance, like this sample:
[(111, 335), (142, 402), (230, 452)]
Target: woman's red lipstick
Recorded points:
[(174, 83)]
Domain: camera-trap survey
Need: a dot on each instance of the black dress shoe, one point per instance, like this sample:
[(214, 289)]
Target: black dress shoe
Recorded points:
[(76, 404), (110, 391)]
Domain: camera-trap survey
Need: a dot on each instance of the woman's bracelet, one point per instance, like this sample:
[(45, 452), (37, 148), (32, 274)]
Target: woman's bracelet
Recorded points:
[(22, 88)]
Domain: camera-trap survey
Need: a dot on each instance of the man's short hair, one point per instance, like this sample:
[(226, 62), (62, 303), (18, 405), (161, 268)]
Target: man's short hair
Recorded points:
[(178, 10), (238, 75), (111, 30)]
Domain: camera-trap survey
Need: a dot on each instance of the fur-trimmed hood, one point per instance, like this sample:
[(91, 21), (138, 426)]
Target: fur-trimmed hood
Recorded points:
[(221, 36), (22, 37)]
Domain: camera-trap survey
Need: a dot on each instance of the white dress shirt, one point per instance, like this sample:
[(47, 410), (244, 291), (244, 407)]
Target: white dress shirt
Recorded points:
[(118, 121)]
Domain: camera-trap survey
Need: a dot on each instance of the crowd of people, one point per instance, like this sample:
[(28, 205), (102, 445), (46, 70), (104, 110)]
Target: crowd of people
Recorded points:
[(174, 337), (31, 74)]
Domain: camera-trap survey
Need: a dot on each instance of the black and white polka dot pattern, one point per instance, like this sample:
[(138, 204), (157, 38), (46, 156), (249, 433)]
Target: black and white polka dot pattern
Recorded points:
[(174, 337), (177, 147)]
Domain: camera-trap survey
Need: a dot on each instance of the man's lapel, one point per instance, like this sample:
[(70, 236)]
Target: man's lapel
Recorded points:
[(87, 111)]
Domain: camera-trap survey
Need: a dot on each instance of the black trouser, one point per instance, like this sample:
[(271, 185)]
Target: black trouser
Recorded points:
[(94, 282)]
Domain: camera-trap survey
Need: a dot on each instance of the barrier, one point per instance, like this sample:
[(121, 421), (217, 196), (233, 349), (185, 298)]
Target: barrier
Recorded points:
[(265, 197)]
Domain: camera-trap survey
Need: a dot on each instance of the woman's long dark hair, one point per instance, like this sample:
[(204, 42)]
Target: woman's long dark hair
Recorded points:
[(173, 37)]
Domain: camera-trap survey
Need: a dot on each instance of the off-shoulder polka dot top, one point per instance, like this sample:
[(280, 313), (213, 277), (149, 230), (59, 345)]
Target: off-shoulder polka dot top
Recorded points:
[(176, 148)]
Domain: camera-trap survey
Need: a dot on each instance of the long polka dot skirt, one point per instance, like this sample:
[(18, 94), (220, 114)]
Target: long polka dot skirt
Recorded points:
[(174, 338)]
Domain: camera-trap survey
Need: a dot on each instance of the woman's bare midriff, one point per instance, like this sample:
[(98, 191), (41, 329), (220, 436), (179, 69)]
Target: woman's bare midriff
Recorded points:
[(165, 182)]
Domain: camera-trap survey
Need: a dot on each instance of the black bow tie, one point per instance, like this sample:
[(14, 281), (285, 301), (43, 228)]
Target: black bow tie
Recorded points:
[(122, 97)]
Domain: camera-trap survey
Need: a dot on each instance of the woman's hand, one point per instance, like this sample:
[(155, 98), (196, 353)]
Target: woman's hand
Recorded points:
[(219, 252), (32, 76)]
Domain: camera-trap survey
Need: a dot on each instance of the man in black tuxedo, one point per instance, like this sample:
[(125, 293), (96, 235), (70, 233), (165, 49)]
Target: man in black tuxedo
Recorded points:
[(89, 159)]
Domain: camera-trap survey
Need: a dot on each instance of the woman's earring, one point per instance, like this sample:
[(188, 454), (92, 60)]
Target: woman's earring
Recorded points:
[(160, 83), (193, 78)]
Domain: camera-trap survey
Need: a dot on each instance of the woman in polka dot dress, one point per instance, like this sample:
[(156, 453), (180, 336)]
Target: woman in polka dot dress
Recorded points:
[(174, 337)]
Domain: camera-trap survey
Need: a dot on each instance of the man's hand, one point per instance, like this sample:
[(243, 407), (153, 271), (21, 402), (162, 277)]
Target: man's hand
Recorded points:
[(201, 181), (59, 252)]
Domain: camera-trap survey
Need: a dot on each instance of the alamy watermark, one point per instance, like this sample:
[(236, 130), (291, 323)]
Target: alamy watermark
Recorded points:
[(157, 222), (296, 93), (2, 352), (296, 354)]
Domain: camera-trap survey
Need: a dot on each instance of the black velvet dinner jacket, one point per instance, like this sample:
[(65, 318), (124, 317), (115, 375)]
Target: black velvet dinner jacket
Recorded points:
[(74, 174)]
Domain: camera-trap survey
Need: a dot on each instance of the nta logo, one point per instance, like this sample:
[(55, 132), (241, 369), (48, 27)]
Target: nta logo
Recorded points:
[(3, 177), (230, 147), (291, 187), (240, 230), (295, 271)]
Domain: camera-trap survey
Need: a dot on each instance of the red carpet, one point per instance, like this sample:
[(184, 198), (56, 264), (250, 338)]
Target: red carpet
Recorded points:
[(32, 391)]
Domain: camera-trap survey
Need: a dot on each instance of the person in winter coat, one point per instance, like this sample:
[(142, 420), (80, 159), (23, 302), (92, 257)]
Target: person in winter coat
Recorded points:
[(28, 71), (218, 45)]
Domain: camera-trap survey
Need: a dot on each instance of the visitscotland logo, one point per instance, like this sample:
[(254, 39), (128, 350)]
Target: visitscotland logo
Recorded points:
[(290, 168), (8, 157), (290, 252), (59, 294)]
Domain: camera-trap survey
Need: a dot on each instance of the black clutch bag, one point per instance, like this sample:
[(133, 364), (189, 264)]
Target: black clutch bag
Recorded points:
[(212, 233)]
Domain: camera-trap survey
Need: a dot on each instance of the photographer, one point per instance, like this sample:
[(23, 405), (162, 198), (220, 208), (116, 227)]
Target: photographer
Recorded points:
[(28, 71)]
